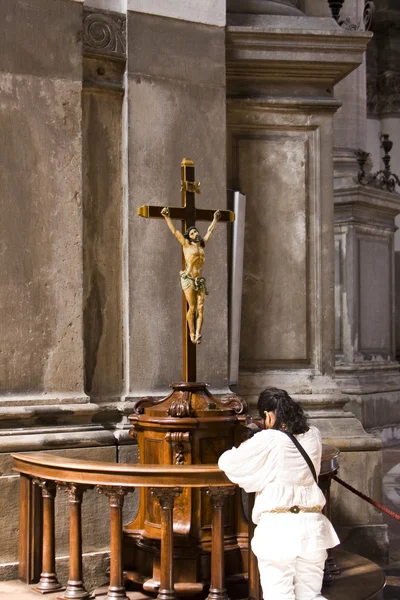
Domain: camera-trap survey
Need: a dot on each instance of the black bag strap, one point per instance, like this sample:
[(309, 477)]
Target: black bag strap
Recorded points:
[(303, 453)]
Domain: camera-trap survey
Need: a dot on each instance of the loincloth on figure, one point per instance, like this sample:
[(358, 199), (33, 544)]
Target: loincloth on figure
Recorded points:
[(198, 284)]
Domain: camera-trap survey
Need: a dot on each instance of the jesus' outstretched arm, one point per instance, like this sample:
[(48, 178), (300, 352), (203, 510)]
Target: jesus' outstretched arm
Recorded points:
[(211, 228), (174, 231)]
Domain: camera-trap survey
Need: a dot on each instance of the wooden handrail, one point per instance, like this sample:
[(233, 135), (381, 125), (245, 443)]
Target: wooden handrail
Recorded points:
[(58, 468), (49, 471), (113, 480)]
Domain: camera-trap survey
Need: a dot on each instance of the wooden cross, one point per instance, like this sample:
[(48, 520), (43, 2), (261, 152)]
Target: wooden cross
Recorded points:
[(188, 214)]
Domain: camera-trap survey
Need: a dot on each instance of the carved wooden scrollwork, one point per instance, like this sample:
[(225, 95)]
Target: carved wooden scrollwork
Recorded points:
[(49, 488), (180, 407), (116, 495), (238, 405), (218, 495), (146, 401), (178, 438), (166, 496)]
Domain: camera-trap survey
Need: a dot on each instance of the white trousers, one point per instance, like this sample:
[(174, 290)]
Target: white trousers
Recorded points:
[(297, 578)]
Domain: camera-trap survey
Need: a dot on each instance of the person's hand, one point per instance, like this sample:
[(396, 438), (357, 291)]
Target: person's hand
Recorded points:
[(252, 427), (217, 215), (165, 211)]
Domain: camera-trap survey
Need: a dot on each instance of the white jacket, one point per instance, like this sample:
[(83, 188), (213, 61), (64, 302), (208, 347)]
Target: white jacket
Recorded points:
[(271, 465)]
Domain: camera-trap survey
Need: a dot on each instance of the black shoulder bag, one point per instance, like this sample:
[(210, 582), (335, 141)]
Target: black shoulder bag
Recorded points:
[(303, 453)]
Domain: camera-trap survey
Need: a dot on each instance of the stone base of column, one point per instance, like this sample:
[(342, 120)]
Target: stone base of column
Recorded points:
[(374, 395)]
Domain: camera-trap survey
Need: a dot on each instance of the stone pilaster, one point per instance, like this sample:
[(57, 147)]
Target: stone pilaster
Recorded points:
[(280, 141), (41, 358), (183, 99), (104, 46), (366, 365)]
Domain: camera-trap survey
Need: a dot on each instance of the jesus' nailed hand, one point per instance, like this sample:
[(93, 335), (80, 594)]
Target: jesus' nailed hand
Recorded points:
[(192, 281)]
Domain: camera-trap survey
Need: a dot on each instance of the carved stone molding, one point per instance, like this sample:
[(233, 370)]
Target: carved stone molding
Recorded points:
[(166, 496), (383, 94), (104, 34)]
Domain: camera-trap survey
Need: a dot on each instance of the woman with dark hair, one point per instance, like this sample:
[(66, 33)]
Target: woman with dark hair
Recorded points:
[(292, 534)]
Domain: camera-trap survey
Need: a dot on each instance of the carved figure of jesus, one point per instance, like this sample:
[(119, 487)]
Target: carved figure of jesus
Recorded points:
[(192, 281)]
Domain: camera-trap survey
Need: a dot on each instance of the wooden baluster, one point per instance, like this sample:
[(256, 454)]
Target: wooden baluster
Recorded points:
[(48, 579), (166, 498), (30, 530), (217, 584), (75, 586), (254, 576), (116, 495)]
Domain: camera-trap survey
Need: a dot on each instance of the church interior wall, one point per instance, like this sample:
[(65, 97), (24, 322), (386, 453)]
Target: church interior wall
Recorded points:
[(184, 101), (84, 327)]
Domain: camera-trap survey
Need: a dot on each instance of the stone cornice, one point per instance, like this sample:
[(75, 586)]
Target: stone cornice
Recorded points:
[(252, 106), (270, 55), (387, 204), (104, 34)]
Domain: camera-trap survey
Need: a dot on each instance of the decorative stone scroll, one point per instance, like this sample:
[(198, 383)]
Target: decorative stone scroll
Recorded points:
[(104, 34)]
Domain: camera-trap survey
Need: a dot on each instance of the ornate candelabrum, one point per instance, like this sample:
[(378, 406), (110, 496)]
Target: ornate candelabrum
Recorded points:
[(335, 6), (349, 23), (383, 178)]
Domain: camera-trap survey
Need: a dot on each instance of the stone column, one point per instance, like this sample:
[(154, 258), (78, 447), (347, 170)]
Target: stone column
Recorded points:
[(175, 109), (41, 358), (366, 365), (280, 141), (383, 72), (43, 404)]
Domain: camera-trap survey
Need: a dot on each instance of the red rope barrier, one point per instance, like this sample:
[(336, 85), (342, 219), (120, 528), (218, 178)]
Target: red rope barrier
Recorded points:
[(377, 505)]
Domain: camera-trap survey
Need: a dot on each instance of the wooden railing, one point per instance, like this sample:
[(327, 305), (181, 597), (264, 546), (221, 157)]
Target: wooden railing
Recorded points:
[(42, 474)]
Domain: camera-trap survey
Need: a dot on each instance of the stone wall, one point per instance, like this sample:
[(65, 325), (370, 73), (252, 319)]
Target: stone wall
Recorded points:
[(41, 279), (183, 99), (90, 305)]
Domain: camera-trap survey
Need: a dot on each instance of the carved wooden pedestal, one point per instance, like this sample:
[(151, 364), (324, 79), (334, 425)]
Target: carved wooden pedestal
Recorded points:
[(190, 426)]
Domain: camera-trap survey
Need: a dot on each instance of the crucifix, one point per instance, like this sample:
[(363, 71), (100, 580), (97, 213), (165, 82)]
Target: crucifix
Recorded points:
[(192, 282)]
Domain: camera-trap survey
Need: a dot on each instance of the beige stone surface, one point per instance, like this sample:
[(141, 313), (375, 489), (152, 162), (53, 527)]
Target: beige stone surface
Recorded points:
[(274, 328), (103, 244), (184, 103), (41, 278)]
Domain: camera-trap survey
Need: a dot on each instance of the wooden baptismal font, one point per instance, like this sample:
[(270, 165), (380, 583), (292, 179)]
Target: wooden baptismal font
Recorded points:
[(189, 426)]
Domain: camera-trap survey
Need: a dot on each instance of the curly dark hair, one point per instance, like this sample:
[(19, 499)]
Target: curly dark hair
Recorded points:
[(289, 415)]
